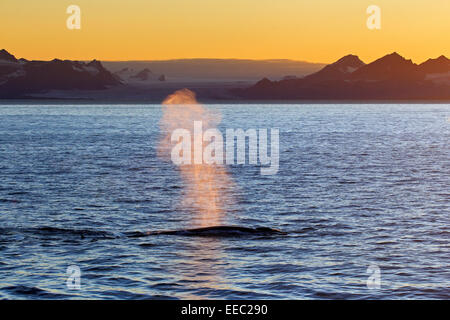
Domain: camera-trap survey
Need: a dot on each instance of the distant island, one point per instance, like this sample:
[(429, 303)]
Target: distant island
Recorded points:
[(390, 78)]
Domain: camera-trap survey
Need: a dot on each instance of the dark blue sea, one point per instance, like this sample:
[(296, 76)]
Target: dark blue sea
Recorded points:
[(358, 186)]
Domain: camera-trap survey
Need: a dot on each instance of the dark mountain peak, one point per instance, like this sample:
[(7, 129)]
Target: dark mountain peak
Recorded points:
[(394, 54), (6, 56), (390, 67), (349, 60), (338, 70), (96, 64), (348, 63), (438, 65), (264, 82), (143, 74), (440, 59), (393, 58)]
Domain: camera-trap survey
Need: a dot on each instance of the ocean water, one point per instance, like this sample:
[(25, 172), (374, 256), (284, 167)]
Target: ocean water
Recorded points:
[(358, 186)]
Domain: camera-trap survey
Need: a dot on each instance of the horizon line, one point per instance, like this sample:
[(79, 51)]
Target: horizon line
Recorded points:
[(227, 59)]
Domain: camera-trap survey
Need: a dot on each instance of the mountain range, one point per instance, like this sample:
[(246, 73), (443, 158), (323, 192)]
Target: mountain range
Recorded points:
[(21, 77), (391, 77)]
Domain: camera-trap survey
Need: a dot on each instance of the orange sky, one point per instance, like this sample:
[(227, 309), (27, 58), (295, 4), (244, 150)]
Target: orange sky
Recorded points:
[(311, 30)]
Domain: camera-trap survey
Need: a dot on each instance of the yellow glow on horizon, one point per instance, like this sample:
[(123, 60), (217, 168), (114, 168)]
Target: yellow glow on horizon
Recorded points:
[(315, 31)]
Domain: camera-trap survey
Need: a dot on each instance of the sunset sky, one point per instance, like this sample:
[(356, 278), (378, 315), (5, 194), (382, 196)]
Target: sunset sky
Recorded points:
[(310, 30)]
